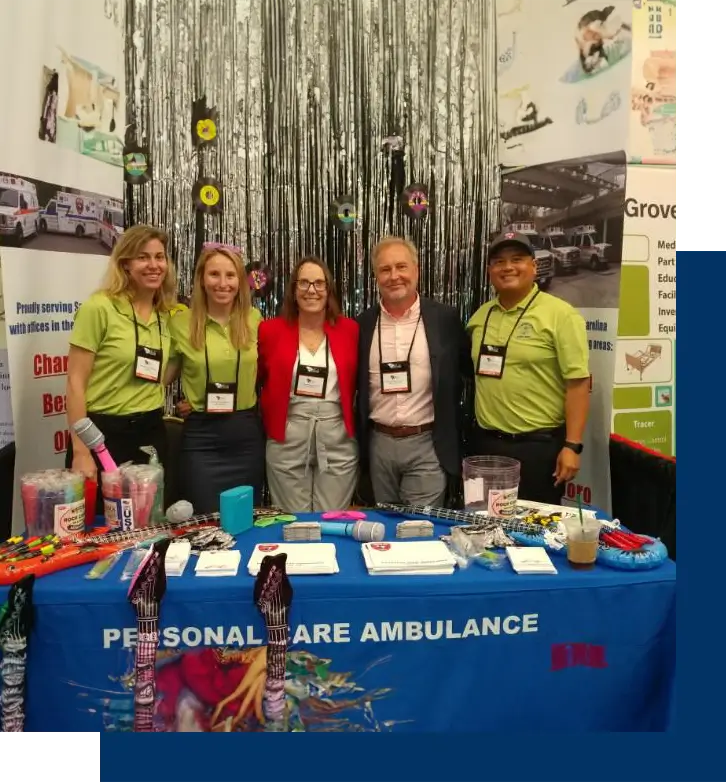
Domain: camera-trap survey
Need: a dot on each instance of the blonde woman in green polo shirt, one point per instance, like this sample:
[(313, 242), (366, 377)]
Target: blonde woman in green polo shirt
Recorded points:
[(119, 348), (532, 378), (223, 442)]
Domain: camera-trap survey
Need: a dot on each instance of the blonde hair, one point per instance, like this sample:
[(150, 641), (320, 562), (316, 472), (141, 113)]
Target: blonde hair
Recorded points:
[(239, 329), (392, 241), (117, 282)]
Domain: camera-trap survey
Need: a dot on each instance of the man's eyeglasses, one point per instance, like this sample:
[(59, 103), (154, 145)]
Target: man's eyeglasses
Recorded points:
[(305, 285)]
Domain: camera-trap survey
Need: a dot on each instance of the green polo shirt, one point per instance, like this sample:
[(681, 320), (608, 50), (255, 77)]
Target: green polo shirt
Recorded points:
[(222, 361), (105, 326), (548, 348)]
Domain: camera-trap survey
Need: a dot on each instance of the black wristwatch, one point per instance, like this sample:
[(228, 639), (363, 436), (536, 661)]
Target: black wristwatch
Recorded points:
[(576, 447)]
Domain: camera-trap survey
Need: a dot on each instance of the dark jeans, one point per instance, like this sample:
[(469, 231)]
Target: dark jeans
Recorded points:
[(537, 453), (125, 435)]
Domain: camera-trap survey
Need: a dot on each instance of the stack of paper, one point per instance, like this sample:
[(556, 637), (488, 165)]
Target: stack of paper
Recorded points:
[(414, 528), (409, 558), (218, 563), (530, 559), (301, 530), (303, 559), (177, 556)]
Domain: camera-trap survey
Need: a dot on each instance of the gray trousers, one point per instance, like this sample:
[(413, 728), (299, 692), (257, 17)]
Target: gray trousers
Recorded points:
[(406, 470), (316, 468)]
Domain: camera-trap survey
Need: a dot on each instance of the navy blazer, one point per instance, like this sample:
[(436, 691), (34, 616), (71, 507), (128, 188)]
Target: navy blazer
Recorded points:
[(451, 366)]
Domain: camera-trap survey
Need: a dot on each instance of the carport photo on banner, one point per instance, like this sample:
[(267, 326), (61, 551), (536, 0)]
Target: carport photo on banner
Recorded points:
[(573, 211)]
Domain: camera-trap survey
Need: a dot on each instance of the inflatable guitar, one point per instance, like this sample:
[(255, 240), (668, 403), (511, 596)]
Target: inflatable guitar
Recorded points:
[(90, 547)]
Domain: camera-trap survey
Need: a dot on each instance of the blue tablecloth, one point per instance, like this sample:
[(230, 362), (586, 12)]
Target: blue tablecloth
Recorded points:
[(476, 651)]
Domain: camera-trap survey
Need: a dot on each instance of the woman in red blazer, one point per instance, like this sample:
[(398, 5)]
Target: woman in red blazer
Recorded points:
[(307, 373)]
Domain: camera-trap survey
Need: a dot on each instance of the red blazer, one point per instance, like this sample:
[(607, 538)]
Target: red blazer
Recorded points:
[(277, 345)]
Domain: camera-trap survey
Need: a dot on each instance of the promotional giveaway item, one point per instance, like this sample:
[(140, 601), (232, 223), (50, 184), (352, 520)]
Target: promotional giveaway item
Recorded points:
[(43, 557), (130, 494), (92, 437), (273, 597), (54, 501), (16, 620), (146, 592), (236, 509)]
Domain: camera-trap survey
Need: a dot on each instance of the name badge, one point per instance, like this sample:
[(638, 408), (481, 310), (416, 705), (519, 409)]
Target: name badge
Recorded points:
[(221, 397), (148, 364), (491, 361), (311, 381), (395, 377)]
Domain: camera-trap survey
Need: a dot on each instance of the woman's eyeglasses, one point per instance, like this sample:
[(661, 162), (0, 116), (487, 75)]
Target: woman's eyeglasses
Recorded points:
[(305, 285)]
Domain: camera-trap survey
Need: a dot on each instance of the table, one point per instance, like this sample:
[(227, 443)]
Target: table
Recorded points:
[(476, 651)]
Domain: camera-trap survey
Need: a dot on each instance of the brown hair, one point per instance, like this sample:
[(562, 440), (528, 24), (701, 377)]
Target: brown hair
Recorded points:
[(239, 328), (289, 309), (128, 248)]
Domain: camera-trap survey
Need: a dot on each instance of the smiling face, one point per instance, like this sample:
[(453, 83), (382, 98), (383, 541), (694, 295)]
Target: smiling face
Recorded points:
[(396, 274), (147, 271), (512, 270), (311, 289), (220, 281)]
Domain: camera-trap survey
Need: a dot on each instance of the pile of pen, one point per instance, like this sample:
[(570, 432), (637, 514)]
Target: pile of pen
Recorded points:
[(53, 502), (18, 549)]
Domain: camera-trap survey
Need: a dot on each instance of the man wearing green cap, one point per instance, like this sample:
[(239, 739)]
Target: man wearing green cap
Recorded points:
[(532, 377)]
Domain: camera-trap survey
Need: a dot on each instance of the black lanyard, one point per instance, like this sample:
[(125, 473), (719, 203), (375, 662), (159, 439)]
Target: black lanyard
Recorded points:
[(136, 336), (380, 346), (236, 374), (521, 315), (327, 357)]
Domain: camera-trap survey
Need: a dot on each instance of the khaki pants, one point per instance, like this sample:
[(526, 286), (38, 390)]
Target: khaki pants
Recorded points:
[(316, 468)]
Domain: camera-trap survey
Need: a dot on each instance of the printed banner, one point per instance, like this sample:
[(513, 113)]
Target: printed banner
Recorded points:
[(644, 397), (572, 211), (61, 185), (653, 103), (563, 74), (6, 411)]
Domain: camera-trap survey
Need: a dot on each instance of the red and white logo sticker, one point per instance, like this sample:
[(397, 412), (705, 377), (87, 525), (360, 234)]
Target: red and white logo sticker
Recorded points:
[(268, 546), (509, 236), (381, 546)]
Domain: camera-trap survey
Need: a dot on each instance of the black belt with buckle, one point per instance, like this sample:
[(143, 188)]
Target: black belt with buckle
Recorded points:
[(537, 435)]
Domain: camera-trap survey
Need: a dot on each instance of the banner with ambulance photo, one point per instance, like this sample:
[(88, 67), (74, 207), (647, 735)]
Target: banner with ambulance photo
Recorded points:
[(61, 204)]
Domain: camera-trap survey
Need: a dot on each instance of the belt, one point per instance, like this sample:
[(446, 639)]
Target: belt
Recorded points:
[(402, 431), (538, 435)]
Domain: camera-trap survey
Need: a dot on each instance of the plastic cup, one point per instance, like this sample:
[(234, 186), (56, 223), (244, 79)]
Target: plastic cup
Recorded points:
[(491, 485), (582, 541)]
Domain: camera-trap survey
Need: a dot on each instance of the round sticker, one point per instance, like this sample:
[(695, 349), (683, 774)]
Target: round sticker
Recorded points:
[(268, 546), (381, 546), (207, 129), (415, 201)]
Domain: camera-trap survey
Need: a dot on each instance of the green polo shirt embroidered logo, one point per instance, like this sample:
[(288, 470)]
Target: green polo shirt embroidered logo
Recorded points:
[(548, 347), (223, 360), (106, 327)]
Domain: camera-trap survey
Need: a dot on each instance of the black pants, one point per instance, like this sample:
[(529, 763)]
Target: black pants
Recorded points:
[(125, 435), (537, 453), (221, 451)]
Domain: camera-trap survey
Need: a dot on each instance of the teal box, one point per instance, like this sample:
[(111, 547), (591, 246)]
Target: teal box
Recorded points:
[(235, 509)]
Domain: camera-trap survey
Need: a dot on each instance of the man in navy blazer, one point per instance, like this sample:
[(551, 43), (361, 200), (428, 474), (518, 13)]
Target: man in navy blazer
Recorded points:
[(413, 358)]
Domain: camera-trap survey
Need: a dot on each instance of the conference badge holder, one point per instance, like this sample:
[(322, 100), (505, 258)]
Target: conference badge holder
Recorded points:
[(311, 381), (148, 364), (395, 377), (491, 361), (221, 397)]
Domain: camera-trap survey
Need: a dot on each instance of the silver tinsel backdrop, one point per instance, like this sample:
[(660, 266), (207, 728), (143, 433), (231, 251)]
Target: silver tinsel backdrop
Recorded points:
[(311, 95)]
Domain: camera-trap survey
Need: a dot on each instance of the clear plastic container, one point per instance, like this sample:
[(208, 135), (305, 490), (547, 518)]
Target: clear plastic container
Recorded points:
[(491, 485), (129, 495), (582, 541), (53, 502)]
